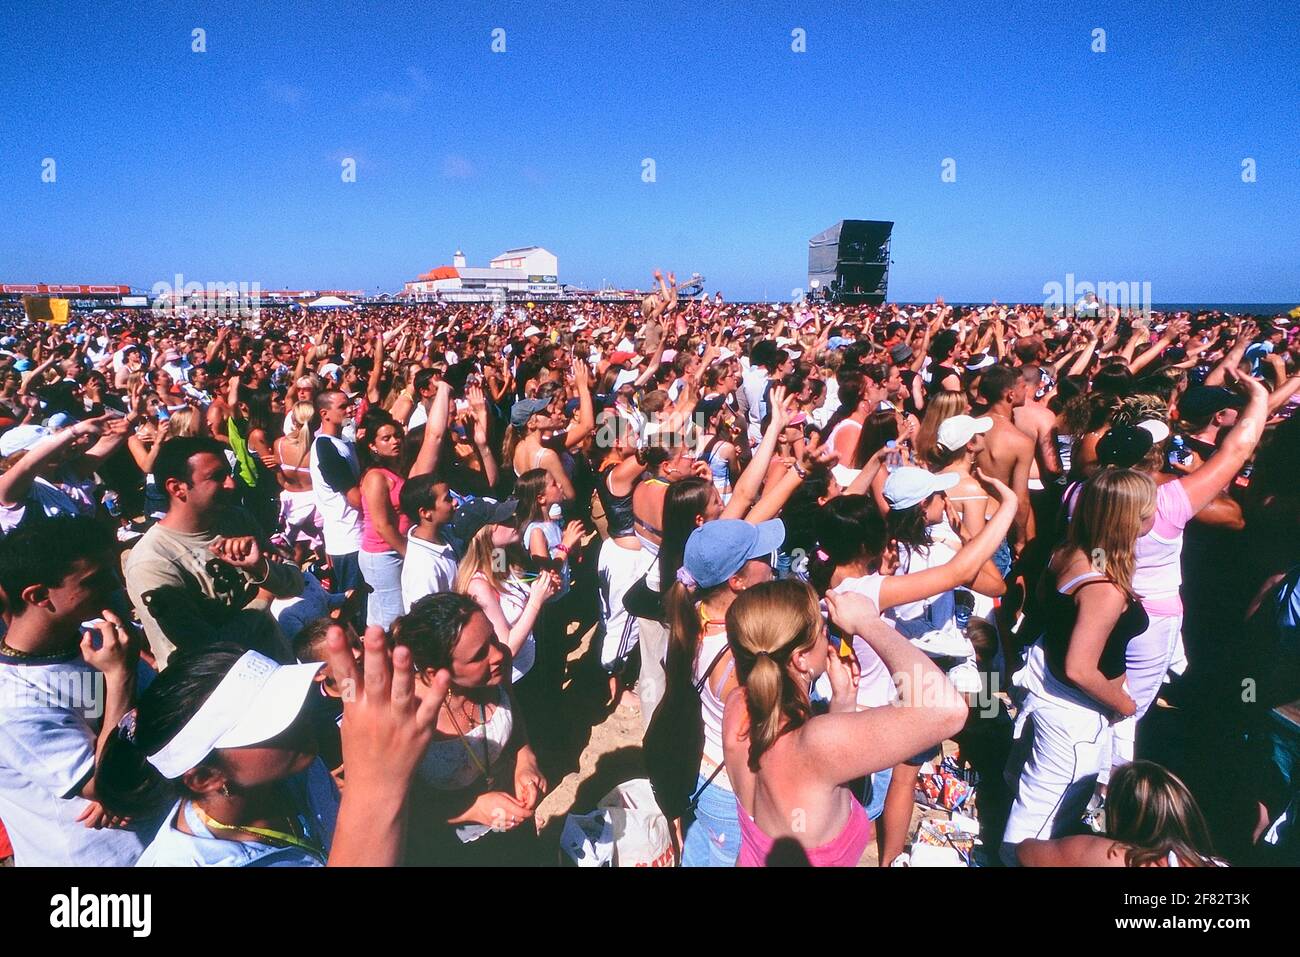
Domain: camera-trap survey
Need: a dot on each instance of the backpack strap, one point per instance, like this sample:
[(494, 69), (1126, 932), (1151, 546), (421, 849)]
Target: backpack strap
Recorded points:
[(695, 798), (704, 679)]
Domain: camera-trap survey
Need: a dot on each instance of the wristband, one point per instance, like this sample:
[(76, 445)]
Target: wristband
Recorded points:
[(799, 470), (263, 579), (562, 548)]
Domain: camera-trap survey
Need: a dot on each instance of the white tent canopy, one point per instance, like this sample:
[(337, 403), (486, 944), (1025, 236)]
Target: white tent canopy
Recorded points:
[(329, 302)]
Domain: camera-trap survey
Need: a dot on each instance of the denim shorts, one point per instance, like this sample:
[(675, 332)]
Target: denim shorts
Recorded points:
[(877, 786), (1002, 558)]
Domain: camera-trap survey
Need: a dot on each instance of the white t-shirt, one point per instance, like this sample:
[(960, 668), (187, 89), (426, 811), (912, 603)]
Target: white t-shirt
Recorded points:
[(930, 623), (179, 370), (49, 498), (341, 522), (830, 402), (754, 382), (875, 685), (295, 614), (428, 568), (49, 722), (419, 416)]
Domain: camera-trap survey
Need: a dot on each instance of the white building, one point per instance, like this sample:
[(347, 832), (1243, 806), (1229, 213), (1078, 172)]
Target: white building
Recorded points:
[(526, 273), (532, 260)]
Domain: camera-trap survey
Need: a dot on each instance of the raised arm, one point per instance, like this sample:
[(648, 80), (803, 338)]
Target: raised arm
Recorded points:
[(585, 424), (965, 565), (844, 745), (1232, 358), (478, 409), (513, 636), (652, 366), (435, 428), (1212, 477), (751, 480), (17, 481), (376, 371), (1172, 332)]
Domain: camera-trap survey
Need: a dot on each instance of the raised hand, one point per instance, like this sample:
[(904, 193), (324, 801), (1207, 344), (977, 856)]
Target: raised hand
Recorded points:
[(242, 551), (117, 650), (573, 533), (386, 729), (852, 613)]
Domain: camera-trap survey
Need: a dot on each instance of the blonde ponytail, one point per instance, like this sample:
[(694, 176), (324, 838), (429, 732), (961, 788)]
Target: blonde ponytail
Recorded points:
[(766, 625)]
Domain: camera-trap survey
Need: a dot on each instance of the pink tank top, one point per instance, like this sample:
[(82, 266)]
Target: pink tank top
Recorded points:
[(371, 541), (844, 851)]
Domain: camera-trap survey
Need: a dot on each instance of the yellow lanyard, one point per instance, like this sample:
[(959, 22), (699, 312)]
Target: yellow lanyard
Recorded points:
[(280, 837), (705, 621), (484, 766)]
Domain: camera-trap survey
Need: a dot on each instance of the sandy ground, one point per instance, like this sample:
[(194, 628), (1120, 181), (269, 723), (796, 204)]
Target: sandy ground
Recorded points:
[(612, 755)]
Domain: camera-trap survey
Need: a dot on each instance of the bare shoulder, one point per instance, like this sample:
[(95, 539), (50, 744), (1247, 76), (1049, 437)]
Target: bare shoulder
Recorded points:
[(1035, 418), (735, 717), (1080, 850)]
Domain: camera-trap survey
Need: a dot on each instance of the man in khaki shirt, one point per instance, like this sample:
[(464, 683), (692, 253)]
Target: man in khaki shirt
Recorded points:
[(205, 556)]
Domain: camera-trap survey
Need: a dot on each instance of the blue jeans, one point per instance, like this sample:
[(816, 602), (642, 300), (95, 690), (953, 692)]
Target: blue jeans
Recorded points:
[(345, 574), (383, 573), (713, 838)]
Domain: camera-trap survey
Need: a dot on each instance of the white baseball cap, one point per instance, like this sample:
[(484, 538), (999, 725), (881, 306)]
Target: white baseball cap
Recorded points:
[(909, 486), (1159, 430), (21, 438), (532, 331), (255, 702), (956, 431)]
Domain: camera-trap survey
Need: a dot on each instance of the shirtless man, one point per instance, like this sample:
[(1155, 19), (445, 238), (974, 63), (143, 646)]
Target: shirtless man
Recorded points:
[(1008, 452), (1038, 422)]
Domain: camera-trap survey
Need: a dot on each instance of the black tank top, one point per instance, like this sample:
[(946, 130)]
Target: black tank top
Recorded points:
[(618, 508), (937, 374), (1060, 612)]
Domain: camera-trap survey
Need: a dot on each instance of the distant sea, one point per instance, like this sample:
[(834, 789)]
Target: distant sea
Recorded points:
[(1234, 308)]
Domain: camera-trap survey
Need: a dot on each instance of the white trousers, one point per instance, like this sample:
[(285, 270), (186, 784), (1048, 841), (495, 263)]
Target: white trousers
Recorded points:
[(1061, 747), (652, 682)]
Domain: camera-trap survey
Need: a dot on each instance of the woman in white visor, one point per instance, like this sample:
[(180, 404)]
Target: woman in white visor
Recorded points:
[(229, 733)]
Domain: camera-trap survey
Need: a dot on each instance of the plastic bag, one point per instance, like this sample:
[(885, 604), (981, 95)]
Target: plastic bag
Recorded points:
[(627, 829)]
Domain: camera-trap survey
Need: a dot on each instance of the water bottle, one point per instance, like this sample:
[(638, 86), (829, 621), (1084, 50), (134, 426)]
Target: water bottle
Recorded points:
[(1178, 453), (112, 505), (963, 605), (891, 456)]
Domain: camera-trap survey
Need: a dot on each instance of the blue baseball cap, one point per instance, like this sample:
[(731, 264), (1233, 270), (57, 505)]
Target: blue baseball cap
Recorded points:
[(717, 550), (525, 409)]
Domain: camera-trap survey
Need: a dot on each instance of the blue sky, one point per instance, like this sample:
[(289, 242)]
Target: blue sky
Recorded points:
[(225, 165)]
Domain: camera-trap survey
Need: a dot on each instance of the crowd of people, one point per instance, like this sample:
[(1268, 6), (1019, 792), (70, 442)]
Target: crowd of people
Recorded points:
[(309, 588)]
